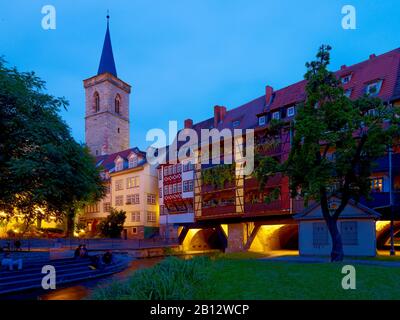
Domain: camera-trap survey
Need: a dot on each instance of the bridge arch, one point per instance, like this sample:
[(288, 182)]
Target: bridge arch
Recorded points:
[(204, 239), (275, 237)]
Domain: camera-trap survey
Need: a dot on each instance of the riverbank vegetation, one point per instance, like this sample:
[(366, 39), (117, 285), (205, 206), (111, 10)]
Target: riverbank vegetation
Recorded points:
[(219, 278)]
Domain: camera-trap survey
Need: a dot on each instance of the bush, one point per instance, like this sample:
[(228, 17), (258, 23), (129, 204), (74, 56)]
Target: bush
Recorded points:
[(171, 279), (112, 226)]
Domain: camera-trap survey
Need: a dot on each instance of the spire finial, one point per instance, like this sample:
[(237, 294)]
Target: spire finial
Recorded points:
[(107, 63)]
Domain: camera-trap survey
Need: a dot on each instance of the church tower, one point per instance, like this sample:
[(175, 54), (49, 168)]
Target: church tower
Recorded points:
[(107, 106)]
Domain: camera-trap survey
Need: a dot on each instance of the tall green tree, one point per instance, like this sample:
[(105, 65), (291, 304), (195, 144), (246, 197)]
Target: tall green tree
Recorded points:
[(335, 143), (44, 172)]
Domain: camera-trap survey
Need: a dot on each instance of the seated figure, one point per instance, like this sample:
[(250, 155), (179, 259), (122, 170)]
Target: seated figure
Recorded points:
[(7, 261)]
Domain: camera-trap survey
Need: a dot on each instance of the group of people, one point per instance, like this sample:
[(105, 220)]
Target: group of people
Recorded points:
[(8, 262), (96, 261), (81, 252)]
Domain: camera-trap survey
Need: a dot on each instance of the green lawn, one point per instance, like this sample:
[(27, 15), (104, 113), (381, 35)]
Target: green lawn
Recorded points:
[(253, 279), (235, 277)]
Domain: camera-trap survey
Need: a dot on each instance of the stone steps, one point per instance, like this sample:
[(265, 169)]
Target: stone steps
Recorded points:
[(66, 272)]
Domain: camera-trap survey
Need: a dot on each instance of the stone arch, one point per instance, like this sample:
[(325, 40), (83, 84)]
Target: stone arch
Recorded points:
[(383, 233), (276, 237), (204, 239)]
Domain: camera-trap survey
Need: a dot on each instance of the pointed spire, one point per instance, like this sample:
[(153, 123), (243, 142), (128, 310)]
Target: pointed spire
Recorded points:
[(107, 63)]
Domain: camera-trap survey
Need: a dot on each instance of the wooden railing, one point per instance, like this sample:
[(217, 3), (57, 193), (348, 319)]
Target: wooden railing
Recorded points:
[(219, 210)]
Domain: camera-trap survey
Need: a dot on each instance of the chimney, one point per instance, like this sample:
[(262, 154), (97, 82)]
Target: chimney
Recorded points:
[(268, 94), (371, 56), (188, 123), (343, 67), (219, 114)]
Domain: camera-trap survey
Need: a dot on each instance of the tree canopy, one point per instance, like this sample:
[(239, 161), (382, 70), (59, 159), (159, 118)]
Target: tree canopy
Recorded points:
[(335, 143), (44, 172)]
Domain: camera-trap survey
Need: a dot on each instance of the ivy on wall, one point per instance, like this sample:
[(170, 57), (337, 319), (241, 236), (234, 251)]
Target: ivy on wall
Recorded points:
[(218, 176)]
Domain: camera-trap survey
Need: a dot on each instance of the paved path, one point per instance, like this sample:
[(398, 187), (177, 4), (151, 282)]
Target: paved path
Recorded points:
[(302, 259)]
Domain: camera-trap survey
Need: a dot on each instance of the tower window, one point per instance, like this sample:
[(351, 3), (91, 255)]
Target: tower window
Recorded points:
[(96, 102), (117, 104)]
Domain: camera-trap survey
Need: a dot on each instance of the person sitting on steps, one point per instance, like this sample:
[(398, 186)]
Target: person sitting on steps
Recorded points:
[(84, 252), (77, 252), (108, 257), (7, 261)]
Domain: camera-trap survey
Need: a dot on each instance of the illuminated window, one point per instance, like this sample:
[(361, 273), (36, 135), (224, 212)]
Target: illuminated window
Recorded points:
[(377, 184), (119, 165), (118, 185), (132, 182)]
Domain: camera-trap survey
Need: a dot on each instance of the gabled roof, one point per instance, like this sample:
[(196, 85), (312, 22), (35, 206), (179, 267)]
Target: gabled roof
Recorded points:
[(108, 161), (107, 63), (307, 212)]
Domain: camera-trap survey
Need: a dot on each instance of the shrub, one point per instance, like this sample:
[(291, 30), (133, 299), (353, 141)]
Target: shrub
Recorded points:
[(112, 226), (171, 279)]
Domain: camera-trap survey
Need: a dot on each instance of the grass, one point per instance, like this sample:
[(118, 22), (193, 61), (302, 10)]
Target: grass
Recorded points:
[(243, 277)]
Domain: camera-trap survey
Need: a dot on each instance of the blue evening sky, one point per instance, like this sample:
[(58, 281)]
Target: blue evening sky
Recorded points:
[(182, 57)]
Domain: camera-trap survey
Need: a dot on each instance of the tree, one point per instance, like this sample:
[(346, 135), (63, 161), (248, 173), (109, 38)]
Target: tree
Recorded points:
[(335, 143), (44, 172), (112, 226)]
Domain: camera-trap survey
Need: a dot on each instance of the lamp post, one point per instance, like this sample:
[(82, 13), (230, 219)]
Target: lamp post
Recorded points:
[(392, 251)]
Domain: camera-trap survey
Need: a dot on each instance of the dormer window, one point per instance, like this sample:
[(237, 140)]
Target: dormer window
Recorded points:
[(276, 115), (133, 161), (117, 103), (373, 88), (119, 165), (345, 79), (261, 121), (96, 102), (290, 111)]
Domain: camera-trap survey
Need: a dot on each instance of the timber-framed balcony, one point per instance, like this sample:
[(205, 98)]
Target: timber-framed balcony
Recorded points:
[(218, 210), (210, 189)]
